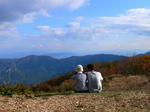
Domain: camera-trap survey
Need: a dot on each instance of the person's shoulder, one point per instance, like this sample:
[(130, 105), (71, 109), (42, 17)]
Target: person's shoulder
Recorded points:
[(78, 74), (98, 73), (81, 74)]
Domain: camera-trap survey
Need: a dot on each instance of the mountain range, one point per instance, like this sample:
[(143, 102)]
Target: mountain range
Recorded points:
[(34, 69), (147, 53)]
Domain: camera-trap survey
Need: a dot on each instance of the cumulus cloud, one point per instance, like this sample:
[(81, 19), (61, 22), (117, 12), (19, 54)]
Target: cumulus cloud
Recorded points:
[(51, 32), (58, 31), (8, 31), (132, 16), (73, 25), (14, 10), (135, 21), (43, 28), (28, 18), (125, 31), (44, 13)]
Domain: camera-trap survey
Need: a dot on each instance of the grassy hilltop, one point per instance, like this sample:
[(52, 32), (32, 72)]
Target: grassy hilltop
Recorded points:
[(126, 88)]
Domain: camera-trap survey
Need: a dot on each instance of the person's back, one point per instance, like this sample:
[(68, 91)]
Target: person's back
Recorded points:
[(94, 79), (80, 82)]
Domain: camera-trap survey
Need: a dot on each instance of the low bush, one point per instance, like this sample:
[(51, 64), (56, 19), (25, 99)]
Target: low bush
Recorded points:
[(17, 89)]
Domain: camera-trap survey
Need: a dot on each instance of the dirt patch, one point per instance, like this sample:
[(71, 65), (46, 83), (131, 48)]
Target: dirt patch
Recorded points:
[(107, 101)]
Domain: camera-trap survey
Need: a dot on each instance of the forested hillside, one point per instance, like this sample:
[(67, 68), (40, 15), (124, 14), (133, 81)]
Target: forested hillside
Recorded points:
[(133, 66), (120, 70), (34, 69)]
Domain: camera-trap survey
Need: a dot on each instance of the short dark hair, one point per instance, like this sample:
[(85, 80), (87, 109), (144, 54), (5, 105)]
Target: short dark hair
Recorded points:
[(90, 66)]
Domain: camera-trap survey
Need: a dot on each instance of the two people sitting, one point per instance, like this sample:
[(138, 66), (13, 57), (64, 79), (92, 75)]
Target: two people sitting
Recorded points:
[(90, 81)]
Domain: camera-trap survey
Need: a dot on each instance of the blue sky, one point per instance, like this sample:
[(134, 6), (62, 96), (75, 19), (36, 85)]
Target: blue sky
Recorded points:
[(74, 26)]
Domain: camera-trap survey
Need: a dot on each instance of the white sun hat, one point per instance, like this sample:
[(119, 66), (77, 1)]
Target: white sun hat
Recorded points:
[(79, 68)]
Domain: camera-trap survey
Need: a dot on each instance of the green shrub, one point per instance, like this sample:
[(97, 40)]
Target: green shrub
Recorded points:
[(22, 89), (5, 90), (17, 89), (67, 85)]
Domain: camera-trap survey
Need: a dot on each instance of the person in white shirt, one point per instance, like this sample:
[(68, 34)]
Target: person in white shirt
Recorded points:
[(80, 78), (94, 79)]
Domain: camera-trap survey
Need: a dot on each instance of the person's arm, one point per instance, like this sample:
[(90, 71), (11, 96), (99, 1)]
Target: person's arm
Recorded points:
[(73, 77), (100, 75)]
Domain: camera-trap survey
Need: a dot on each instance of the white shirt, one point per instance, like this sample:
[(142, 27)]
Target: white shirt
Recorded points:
[(95, 81)]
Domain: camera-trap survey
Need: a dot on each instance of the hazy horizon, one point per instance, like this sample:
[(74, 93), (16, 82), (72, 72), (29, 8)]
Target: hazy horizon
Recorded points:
[(60, 55)]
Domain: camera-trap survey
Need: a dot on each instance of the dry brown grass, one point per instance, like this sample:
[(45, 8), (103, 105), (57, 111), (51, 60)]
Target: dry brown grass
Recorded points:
[(107, 101), (130, 82), (118, 98)]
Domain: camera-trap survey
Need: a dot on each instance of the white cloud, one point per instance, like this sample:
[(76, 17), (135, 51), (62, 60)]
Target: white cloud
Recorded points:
[(126, 31), (14, 12), (19, 9), (4, 25), (58, 31), (135, 21), (132, 16), (8, 31), (52, 32), (44, 13), (73, 25), (43, 28), (28, 18)]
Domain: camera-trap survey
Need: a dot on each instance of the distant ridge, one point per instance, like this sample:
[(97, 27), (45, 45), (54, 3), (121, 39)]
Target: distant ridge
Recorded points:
[(147, 53), (33, 69)]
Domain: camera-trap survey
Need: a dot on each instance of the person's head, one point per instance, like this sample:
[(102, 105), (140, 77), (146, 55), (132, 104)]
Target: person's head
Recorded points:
[(90, 67), (79, 68)]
